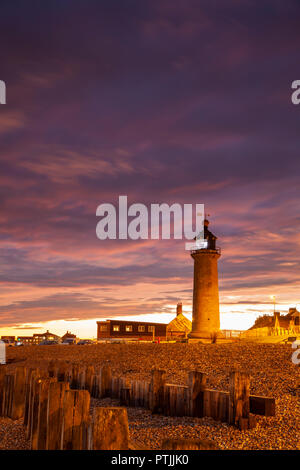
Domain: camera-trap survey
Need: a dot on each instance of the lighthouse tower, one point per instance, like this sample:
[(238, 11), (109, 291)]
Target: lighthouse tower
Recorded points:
[(206, 314)]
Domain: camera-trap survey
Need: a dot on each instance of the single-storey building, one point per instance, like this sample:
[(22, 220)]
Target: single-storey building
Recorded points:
[(128, 329), (179, 327)]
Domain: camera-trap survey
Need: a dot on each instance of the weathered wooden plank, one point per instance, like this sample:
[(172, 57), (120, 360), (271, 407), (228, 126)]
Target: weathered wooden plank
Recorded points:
[(110, 429), (40, 440), (81, 378), (63, 372), (8, 387), (52, 368), (262, 405), (2, 375), (157, 390), (76, 407), (18, 399), (105, 381), (170, 400), (74, 381), (33, 432), (55, 414), (89, 374), (197, 383), (115, 384), (36, 375), (181, 401), (125, 395), (132, 393), (239, 397), (29, 371)]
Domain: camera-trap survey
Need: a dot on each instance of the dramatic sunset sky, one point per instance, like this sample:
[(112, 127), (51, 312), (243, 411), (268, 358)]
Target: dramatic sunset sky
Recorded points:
[(162, 101)]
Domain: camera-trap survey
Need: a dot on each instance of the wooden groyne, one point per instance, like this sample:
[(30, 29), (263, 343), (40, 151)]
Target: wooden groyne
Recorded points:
[(54, 403)]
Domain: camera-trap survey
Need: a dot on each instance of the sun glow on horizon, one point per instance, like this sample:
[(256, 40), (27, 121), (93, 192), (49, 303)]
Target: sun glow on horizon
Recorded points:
[(232, 316)]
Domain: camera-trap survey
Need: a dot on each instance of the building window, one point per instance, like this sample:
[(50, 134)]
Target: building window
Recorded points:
[(128, 328), (141, 328), (151, 328), (116, 328), (103, 328)]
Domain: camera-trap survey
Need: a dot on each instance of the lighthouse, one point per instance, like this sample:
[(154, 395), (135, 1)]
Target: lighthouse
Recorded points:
[(206, 314)]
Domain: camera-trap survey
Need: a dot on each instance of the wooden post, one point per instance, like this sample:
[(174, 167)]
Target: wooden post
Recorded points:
[(62, 372), (35, 409), (35, 412), (27, 393), (8, 387), (239, 398), (113, 387), (168, 400), (105, 381), (89, 374), (147, 394), (18, 402), (34, 375), (96, 386), (40, 437), (197, 384), (52, 368), (140, 391), (76, 408), (181, 400), (87, 435), (188, 444), (157, 390), (125, 395), (134, 392), (110, 429), (75, 376), (54, 414), (33, 402), (2, 375)]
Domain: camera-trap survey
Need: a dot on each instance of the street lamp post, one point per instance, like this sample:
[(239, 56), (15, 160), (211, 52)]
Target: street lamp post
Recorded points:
[(274, 300)]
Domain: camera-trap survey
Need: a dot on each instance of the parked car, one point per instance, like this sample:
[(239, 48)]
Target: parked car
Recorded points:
[(84, 341), (8, 342), (19, 343), (48, 342), (68, 342)]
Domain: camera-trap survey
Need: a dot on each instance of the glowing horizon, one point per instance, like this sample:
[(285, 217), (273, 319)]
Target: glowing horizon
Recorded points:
[(230, 320)]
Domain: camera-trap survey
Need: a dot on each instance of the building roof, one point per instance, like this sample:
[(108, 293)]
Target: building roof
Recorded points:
[(129, 322), (293, 312), (69, 335), (272, 322), (180, 323), (45, 334)]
